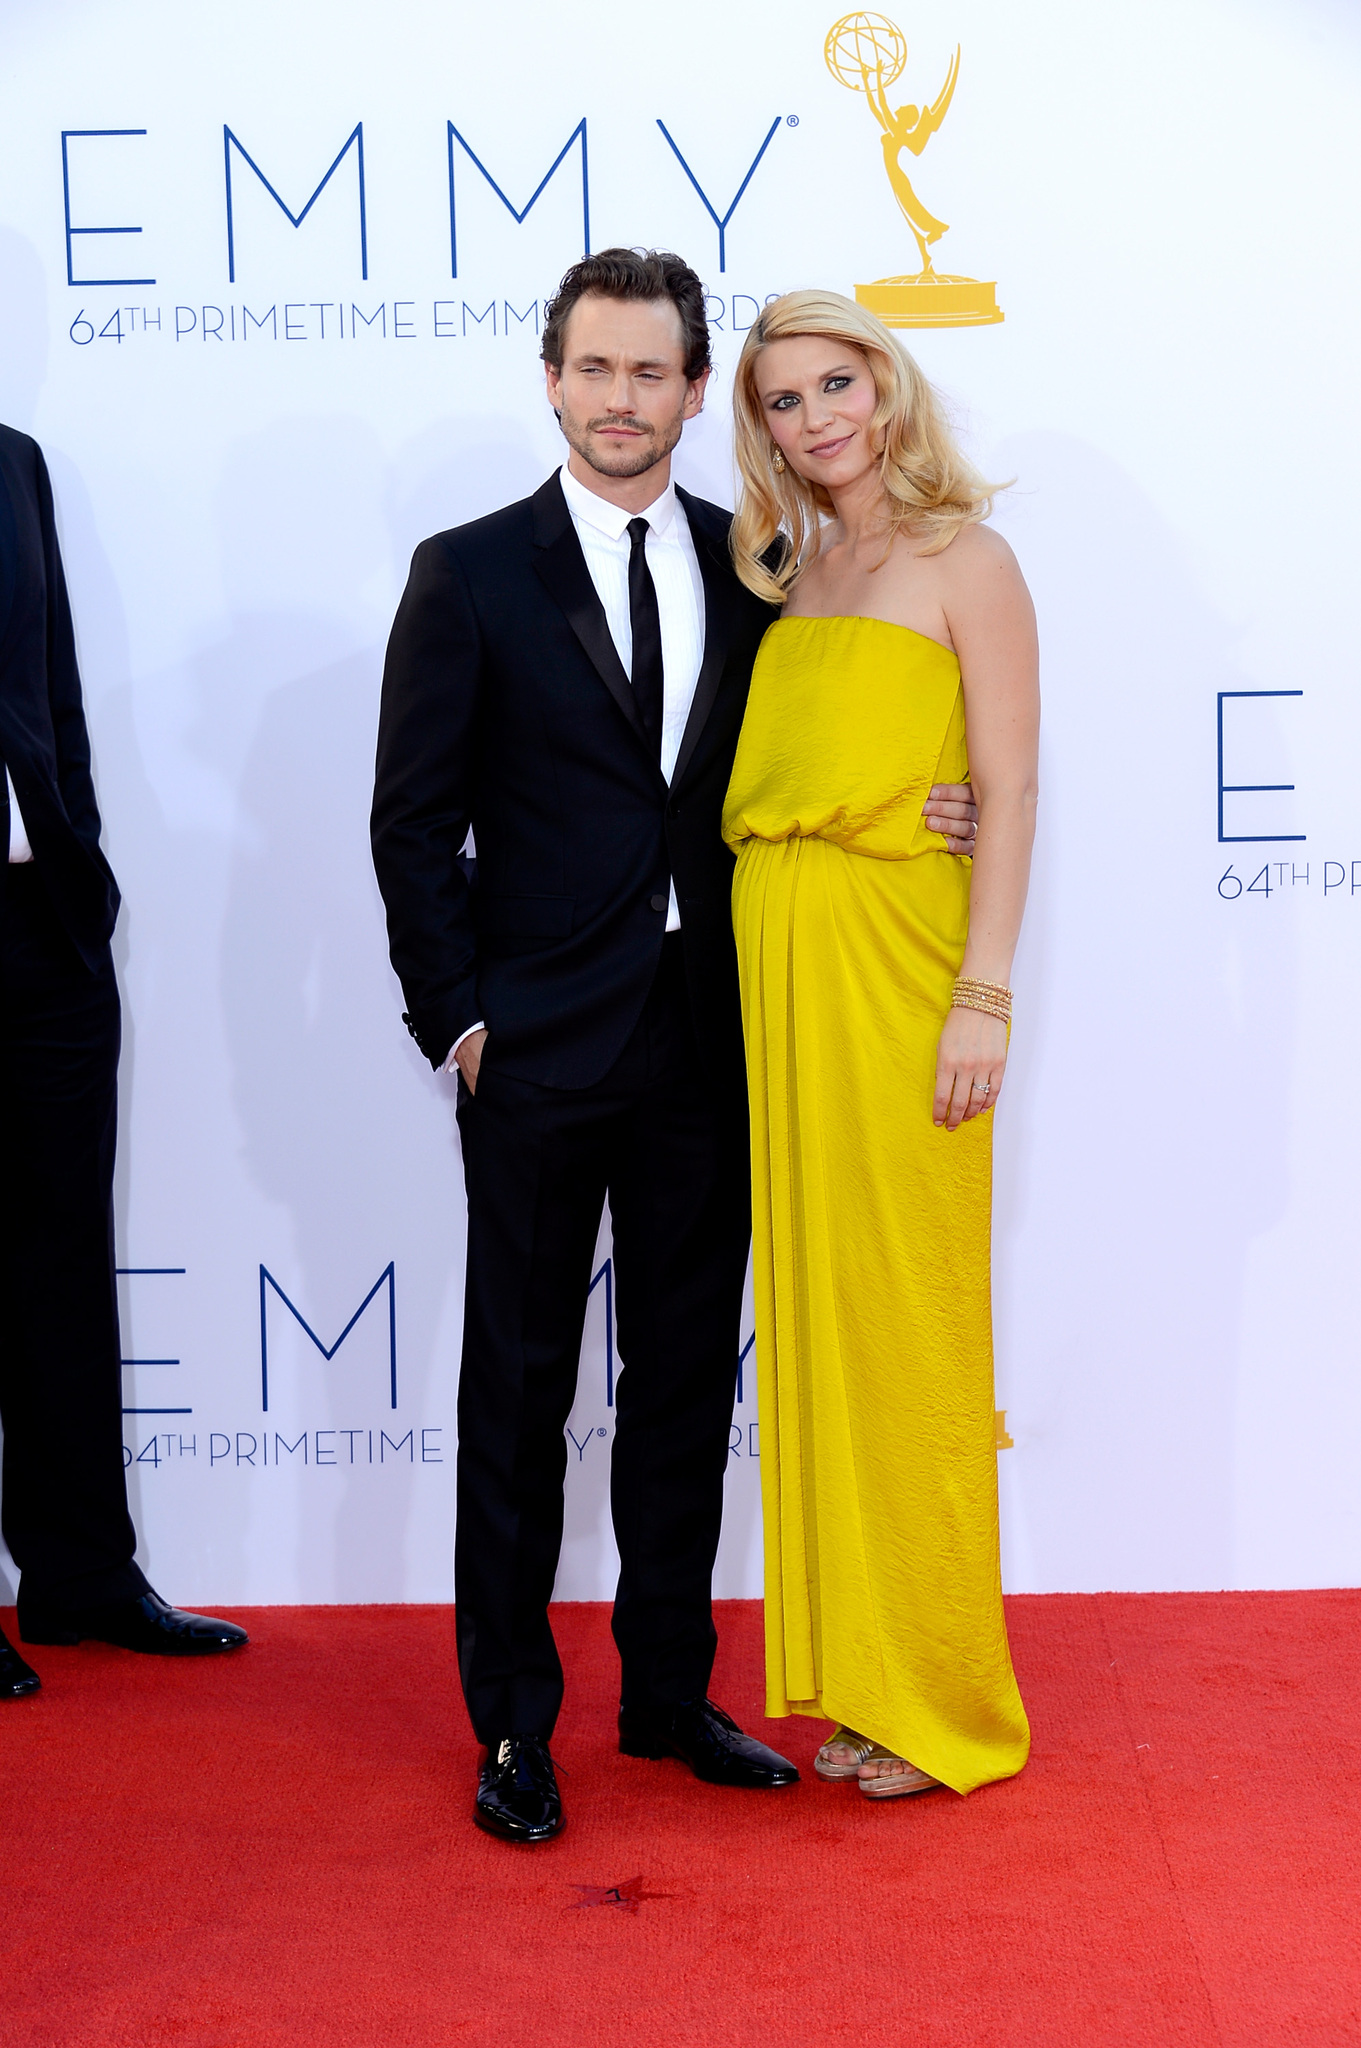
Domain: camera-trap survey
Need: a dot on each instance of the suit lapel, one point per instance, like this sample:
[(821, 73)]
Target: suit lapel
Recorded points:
[(715, 567), (9, 548), (561, 567), (562, 570)]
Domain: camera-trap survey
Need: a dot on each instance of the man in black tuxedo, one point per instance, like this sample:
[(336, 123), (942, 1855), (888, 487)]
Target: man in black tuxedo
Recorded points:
[(64, 1499), (568, 678)]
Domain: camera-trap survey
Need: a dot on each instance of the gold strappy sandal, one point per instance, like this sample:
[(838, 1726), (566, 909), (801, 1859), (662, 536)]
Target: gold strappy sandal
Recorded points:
[(900, 1782), (863, 1751), (860, 1746)]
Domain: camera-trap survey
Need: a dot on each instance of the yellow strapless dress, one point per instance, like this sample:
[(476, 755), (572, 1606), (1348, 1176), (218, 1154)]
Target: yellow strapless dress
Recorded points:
[(871, 1227)]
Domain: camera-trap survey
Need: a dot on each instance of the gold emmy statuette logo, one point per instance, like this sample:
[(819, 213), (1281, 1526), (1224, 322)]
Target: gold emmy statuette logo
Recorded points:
[(999, 1415), (866, 53)]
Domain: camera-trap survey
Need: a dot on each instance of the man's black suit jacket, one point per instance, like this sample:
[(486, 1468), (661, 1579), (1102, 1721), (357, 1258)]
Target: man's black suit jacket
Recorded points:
[(42, 723), (506, 708)]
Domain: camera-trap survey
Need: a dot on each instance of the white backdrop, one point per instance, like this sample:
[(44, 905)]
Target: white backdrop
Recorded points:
[(1166, 203)]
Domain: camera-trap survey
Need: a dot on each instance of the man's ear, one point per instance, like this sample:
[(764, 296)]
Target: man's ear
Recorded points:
[(694, 395), (553, 382)]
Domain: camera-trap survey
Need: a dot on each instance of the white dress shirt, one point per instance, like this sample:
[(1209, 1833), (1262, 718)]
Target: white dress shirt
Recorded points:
[(19, 848), (602, 529)]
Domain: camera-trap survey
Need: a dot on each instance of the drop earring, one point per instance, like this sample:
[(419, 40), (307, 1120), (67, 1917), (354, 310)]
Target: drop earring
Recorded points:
[(777, 462)]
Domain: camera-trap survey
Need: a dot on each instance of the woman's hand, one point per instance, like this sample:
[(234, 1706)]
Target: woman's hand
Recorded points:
[(970, 1062)]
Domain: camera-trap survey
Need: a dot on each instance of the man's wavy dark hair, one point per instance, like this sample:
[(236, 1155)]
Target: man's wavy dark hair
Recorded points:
[(633, 274)]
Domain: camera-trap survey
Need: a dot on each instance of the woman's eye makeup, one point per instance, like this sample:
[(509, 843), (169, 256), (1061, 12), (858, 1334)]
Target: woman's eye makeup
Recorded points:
[(831, 386)]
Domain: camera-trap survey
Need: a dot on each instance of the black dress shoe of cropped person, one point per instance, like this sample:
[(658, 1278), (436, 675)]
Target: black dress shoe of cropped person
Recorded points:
[(517, 1791), (710, 1741), (16, 1677), (146, 1623)]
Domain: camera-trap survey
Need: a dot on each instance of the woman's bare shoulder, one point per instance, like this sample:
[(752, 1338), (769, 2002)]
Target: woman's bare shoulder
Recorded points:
[(978, 551), (979, 574)]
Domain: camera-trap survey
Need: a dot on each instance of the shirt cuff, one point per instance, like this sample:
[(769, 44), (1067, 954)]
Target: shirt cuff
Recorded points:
[(450, 1066)]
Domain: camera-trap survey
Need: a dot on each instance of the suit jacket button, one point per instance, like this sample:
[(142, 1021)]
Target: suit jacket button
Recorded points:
[(657, 902)]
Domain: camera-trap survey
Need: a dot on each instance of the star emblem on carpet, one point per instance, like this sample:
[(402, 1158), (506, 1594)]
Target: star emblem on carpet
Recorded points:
[(628, 1896)]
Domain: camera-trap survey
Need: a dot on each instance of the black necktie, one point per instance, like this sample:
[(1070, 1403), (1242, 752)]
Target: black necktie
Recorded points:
[(646, 622)]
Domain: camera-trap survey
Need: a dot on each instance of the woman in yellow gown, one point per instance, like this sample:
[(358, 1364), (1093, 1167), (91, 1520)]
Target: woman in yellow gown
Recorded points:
[(874, 966)]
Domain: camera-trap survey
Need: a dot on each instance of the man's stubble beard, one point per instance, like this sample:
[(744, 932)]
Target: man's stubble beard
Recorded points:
[(628, 459)]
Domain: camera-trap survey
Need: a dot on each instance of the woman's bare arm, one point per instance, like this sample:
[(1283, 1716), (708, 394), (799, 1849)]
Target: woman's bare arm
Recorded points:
[(992, 624)]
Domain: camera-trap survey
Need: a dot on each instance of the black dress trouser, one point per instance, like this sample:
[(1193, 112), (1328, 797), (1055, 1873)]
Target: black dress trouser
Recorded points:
[(63, 1496), (539, 1163)]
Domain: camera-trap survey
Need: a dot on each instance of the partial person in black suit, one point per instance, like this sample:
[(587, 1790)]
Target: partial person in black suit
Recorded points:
[(63, 1498), (567, 678)]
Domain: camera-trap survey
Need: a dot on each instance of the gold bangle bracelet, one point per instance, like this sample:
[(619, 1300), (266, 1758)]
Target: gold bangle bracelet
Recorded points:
[(991, 997)]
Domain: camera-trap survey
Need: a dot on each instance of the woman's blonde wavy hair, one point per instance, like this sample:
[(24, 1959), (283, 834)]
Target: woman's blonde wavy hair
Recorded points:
[(929, 487)]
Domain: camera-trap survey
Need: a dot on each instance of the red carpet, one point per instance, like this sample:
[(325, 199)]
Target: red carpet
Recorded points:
[(275, 1849)]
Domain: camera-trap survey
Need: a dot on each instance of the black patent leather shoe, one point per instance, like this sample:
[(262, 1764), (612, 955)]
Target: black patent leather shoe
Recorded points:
[(147, 1623), (16, 1677), (517, 1791), (710, 1741)]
